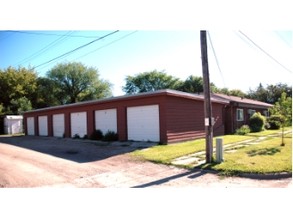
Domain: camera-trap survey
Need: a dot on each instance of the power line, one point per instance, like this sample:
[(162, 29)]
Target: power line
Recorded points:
[(50, 34), (265, 52), (244, 39), (47, 47), (216, 58), (127, 35), (78, 48)]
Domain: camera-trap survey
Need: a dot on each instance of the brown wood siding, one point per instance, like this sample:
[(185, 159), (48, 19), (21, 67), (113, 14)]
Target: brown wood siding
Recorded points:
[(180, 118), (229, 119), (237, 124), (185, 119), (121, 107), (218, 114)]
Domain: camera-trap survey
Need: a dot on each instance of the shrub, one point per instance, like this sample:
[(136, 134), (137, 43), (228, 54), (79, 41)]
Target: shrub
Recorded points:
[(275, 121), (76, 136), (97, 135), (110, 136), (257, 122), (243, 130)]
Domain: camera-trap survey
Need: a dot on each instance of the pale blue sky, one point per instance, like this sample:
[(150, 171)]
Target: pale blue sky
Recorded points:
[(243, 66)]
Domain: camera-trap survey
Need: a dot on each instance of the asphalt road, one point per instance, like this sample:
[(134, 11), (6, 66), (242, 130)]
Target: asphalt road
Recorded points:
[(27, 162)]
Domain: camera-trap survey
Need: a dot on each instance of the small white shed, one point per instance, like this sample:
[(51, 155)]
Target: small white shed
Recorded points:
[(13, 124)]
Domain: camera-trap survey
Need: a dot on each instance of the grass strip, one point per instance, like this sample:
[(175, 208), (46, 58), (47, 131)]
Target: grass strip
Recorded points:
[(265, 156)]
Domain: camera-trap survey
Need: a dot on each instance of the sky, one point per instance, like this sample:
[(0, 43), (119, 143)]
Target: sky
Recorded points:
[(167, 39), (241, 64)]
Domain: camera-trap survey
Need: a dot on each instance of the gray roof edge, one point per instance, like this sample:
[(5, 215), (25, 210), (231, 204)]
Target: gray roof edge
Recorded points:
[(245, 100), (132, 96)]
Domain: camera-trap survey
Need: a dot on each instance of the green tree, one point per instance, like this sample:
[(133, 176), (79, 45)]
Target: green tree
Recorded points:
[(19, 106), (274, 92), (150, 81), (233, 92), (74, 82), (283, 107), (16, 84), (271, 93), (1, 109), (237, 92), (259, 94), (193, 84), (47, 93), (225, 91)]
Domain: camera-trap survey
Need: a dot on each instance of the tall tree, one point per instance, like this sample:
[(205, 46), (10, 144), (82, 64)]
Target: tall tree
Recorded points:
[(150, 81), (274, 92), (74, 82), (259, 94), (47, 93), (17, 87), (193, 84), (271, 93), (19, 106)]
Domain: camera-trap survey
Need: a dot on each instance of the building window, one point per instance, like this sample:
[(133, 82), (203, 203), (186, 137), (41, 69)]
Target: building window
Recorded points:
[(251, 112), (239, 114)]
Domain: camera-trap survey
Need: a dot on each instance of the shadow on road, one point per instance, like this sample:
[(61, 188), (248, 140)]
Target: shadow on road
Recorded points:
[(80, 151), (191, 174)]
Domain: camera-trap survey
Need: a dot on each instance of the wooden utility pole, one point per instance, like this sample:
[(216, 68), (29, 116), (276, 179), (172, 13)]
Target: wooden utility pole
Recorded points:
[(207, 97)]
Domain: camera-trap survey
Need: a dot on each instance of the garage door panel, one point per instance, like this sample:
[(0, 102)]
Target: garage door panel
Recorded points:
[(106, 120), (30, 126), (78, 124), (43, 125), (58, 125), (143, 123)]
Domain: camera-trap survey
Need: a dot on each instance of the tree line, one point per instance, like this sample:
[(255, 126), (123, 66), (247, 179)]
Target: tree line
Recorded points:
[(22, 89), (155, 80)]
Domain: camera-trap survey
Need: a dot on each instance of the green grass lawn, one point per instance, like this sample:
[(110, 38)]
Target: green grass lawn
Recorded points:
[(267, 132), (264, 157), (166, 153)]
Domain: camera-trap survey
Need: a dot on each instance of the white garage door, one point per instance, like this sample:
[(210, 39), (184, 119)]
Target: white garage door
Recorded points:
[(106, 120), (78, 124), (30, 126), (143, 123), (43, 125), (58, 125)]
